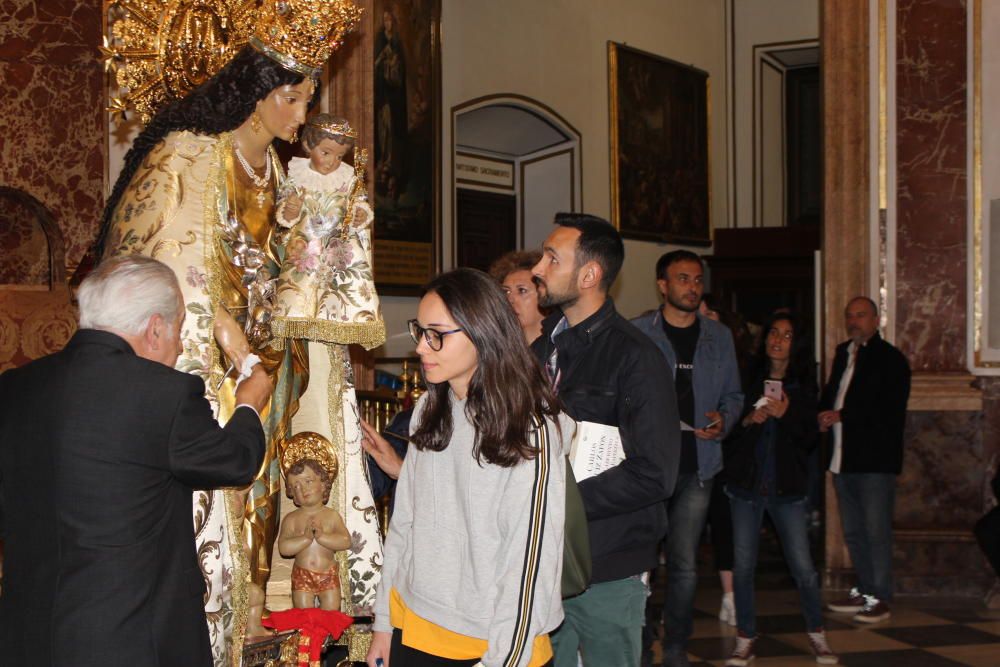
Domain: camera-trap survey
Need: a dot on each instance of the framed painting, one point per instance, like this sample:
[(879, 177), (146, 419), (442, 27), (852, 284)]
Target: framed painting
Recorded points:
[(407, 128), (659, 148)]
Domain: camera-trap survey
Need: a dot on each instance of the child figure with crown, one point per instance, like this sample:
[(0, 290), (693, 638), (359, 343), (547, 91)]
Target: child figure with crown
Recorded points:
[(326, 289), (197, 191)]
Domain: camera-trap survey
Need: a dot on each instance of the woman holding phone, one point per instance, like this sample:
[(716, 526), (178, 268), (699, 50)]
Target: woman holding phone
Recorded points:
[(473, 558), (766, 468)]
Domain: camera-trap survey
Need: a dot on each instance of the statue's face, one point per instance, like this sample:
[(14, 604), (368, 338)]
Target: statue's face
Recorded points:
[(284, 109), (307, 488), (326, 156)]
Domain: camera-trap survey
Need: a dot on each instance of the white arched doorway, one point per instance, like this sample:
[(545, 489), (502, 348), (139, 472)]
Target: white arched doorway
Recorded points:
[(515, 163)]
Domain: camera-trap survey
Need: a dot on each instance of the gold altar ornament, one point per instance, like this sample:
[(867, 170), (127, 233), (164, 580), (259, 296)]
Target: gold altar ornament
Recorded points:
[(309, 445), (164, 49), (161, 50)]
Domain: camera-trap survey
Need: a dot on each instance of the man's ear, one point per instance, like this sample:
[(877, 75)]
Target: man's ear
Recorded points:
[(155, 335), (661, 285), (590, 275)]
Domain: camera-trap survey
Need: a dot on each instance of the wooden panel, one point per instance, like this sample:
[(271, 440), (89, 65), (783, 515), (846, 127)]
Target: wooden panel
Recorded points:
[(485, 227)]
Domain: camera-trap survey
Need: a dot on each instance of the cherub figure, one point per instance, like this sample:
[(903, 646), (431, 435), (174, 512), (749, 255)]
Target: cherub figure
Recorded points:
[(314, 533)]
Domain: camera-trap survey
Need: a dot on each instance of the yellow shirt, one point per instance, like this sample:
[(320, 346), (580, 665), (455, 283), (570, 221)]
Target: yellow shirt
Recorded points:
[(421, 634)]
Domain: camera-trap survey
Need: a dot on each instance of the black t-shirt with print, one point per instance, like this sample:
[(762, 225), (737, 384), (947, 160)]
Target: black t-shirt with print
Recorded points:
[(684, 340)]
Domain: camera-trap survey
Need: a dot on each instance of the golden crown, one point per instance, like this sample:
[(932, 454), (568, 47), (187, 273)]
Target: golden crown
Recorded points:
[(343, 129), (301, 34), (308, 445)]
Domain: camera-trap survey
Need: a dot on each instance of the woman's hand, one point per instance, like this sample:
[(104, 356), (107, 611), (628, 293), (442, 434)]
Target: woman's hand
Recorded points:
[(758, 416), (378, 653), (775, 408), (379, 448)]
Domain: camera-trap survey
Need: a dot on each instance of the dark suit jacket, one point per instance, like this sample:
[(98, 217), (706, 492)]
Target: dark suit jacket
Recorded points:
[(99, 453), (874, 411)]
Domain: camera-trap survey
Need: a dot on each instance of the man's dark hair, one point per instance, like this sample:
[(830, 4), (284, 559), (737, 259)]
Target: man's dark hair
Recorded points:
[(669, 259), (599, 241)]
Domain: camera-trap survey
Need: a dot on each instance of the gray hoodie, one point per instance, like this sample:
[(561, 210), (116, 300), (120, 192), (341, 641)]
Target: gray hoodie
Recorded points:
[(477, 549)]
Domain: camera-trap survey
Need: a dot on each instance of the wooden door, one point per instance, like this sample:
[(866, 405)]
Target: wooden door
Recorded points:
[(486, 227)]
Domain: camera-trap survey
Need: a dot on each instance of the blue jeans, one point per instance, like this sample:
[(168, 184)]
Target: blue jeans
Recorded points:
[(866, 503), (687, 511), (604, 623), (789, 517)]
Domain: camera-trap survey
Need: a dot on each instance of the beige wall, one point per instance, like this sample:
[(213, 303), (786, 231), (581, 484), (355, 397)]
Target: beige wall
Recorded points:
[(555, 51)]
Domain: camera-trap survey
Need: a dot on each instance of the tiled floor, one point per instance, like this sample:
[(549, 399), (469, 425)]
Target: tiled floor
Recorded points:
[(920, 633)]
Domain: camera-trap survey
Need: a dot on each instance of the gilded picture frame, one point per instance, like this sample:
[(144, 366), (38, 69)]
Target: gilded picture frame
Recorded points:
[(659, 148), (405, 167)]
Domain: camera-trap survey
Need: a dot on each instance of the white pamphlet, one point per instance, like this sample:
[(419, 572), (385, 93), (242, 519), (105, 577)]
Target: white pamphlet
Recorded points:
[(595, 448)]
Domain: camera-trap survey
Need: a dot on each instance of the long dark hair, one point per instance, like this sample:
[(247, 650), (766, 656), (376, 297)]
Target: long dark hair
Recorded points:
[(508, 386), (221, 104), (801, 365)]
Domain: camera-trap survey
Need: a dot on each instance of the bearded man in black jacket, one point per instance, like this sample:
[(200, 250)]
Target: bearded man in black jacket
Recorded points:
[(608, 372)]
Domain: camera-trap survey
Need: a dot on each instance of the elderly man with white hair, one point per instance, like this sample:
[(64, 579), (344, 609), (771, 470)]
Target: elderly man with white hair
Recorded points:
[(101, 445)]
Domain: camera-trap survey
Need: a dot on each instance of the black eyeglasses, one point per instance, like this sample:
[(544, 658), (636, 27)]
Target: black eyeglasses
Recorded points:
[(433, 337)]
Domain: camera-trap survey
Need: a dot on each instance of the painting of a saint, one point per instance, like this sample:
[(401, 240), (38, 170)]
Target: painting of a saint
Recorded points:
[(406, 124)]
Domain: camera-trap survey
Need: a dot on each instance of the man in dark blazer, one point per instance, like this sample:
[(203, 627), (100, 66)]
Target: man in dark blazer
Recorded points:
[(864, 405), (101, 445)]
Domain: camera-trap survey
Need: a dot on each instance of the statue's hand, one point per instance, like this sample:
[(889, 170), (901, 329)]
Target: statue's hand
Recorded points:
[(291, 209), (230, 337)]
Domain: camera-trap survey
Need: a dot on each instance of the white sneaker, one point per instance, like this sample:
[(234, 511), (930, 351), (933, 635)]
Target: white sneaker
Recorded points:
[(821, 649), (727, 612), (742, 653), (852, 604)]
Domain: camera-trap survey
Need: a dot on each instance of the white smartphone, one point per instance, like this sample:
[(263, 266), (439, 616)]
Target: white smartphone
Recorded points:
[(772, 389)]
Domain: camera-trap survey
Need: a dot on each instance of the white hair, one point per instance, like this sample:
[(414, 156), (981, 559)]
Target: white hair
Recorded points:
[(124, 293)]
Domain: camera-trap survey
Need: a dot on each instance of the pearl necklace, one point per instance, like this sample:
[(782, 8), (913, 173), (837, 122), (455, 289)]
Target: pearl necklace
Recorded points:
[(261, 183)]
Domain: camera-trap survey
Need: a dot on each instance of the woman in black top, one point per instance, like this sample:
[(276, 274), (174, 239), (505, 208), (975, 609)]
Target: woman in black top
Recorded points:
[(766, 469)]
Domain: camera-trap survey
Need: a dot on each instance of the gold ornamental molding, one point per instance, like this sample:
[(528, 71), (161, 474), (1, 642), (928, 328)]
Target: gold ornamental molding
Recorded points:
[(160, 50), (944, 392)]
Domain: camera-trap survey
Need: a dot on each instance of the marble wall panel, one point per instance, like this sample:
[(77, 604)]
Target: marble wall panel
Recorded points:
[(943, 468), (939, 497), (931, 179), (51, 111)]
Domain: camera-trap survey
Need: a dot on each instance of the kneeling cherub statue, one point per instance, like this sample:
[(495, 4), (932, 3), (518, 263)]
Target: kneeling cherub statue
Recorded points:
[(313, 533)]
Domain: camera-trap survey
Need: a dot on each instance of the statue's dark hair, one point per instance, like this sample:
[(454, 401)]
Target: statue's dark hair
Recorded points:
[(312, 135), (221, 104), (508, 386)]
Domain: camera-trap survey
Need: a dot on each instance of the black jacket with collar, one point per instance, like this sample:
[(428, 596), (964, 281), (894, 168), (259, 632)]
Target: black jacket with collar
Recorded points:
[(794, 441), (874, 411), (611, 373)]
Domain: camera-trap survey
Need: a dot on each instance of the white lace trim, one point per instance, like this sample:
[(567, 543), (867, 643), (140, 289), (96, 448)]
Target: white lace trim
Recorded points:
[(303, 176)]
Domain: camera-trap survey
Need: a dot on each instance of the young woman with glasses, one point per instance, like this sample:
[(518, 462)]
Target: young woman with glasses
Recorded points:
[(473, 557)]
